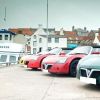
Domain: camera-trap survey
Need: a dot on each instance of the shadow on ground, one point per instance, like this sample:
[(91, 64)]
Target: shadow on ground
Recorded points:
[(91, 87)]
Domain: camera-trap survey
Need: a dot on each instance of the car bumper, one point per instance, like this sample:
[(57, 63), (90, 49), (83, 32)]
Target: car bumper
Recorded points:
[(45, 70), (89, 75), (55, 68), (33, 64)]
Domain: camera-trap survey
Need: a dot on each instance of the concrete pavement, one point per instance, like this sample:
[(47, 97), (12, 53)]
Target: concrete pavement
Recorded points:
[(18, 83)]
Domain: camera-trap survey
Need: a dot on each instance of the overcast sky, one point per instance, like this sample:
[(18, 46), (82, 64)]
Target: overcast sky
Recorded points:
[(61, 13)]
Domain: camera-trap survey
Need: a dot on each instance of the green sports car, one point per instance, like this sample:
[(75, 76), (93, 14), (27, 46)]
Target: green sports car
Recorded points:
[(88, 69)]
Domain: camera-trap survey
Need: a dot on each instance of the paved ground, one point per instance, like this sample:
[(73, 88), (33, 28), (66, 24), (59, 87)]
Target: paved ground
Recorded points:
[(18, 83)]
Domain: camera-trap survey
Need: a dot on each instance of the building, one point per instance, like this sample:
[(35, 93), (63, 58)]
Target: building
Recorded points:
[(6, 36), (23, 36), (41, 41)]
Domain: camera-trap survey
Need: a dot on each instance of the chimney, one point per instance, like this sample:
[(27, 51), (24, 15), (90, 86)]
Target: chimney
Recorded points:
[(61, 31), (73, 28), (85, 29)]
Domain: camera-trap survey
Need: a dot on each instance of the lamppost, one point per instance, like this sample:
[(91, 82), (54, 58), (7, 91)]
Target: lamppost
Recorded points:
[(5, 14), (47, 27)]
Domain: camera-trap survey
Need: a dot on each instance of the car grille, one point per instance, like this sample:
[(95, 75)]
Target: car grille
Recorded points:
[(92, 73), (83, 73), (47, 66), (95, 74)]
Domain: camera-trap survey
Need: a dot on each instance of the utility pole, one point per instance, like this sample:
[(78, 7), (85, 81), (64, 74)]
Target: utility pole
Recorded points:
[(47, 27), (5, 11)]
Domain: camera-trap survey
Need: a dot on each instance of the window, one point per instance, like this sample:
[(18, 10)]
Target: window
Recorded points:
[(3, 58), (49, 40), (34, 37), (40, 40), (6, 37), (70, 40), (56, 40), (12, 59), (49, 48), (34, 43), (40, 49), (34, 50), (0, 37)]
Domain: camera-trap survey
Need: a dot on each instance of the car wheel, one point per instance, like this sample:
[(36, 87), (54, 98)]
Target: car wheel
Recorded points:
[(73, 68)]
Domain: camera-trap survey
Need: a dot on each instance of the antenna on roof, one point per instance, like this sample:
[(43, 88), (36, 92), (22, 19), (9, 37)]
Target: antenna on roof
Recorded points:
[(5, 15)]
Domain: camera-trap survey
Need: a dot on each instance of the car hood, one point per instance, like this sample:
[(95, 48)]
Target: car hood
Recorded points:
[(90, 61), (26, 57), (54, 58)]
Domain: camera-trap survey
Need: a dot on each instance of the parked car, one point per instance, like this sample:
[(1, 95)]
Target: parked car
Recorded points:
[(66, 64), (36, 61), (24, 58), (88, 69)]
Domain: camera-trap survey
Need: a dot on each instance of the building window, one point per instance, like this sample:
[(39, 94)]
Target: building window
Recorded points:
[(6, 37), (40, 40), (49, 40), (40, 49), (3, 58), (56, 40), (0, 37), (34, 50), (49, 48), (70, 40), (34, 37), (12, 59), (34, 43)]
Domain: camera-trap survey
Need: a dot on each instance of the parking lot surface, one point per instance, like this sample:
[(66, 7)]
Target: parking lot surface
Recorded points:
[(19, 83)]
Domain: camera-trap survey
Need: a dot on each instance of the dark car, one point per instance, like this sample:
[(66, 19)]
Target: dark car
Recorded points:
[(88, 69)]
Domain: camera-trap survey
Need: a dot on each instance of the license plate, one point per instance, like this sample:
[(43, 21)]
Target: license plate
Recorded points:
[(45, 71), (88, 80)]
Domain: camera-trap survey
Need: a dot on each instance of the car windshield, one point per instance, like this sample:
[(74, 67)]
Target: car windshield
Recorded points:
[(96, 50), (55, 51), (81, 50)]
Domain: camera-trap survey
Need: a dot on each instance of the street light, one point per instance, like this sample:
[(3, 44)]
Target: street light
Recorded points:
[(47, 27)]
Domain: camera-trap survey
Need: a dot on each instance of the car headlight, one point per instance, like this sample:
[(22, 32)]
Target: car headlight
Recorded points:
[(61, 60)]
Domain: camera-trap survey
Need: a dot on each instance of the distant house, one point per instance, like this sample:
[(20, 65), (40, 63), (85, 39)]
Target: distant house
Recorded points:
[(23, 36), (6, 36), (41, 40), (80, 31)]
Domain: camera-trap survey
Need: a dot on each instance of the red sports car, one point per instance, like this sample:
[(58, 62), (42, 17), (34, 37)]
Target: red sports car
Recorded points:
[(36, 61), (66, 64)]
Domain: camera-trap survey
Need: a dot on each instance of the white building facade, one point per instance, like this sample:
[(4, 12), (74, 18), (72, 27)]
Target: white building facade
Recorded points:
[(40, 41)]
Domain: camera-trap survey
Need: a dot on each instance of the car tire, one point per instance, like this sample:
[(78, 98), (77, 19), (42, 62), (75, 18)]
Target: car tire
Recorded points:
[(73, 66)]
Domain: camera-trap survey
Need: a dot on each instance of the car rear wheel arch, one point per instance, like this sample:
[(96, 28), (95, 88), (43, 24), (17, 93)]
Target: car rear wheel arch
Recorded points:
[(72, 67)]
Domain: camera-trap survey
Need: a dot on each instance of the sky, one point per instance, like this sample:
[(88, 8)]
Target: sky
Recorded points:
[(61, 14)]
